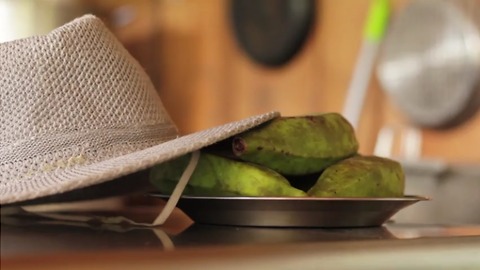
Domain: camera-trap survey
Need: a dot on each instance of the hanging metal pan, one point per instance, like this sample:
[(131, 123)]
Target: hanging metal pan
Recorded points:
[(430, 62), (271, 32)]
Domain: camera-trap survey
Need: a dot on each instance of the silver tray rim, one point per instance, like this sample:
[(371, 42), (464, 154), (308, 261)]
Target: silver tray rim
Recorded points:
[(326, 199), (319, 212)]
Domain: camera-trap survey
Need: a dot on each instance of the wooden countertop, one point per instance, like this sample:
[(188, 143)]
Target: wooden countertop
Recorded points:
[(37, 243)]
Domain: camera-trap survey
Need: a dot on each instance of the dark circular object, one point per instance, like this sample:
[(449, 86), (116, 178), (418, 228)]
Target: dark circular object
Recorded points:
[(272, 31)]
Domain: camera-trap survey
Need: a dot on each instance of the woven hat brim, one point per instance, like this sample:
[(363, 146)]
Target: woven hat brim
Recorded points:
[(61, 181)]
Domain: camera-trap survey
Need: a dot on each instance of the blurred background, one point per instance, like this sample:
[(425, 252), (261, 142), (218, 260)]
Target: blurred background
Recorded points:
[(416, 88)]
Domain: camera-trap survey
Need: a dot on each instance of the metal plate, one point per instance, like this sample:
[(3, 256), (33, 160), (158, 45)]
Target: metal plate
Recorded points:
[(292, 212)]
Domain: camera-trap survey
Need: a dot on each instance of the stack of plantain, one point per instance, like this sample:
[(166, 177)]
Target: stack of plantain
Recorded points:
[(314, 155)]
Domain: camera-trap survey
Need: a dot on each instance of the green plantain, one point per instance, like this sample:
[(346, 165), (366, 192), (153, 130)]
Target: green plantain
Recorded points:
[(361, 176), (218, 176), (298, 145)]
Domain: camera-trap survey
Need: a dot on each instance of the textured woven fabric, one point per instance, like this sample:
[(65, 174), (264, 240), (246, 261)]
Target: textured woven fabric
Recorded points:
[(76, 110)]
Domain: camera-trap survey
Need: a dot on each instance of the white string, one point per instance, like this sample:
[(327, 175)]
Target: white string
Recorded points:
[(177, 192)]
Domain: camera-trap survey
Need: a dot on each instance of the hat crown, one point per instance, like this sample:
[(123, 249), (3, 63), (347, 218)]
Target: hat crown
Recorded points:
[(72, 91)]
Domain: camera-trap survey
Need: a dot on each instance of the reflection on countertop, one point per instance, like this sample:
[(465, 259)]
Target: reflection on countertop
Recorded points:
[(36, 235), (33, 242)]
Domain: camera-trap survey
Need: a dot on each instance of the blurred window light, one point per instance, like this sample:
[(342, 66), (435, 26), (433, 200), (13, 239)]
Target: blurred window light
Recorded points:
[(6, 31), (15, 19)]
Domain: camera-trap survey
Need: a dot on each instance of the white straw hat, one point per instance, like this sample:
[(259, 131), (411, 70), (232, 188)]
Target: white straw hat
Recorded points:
[(77, 110)]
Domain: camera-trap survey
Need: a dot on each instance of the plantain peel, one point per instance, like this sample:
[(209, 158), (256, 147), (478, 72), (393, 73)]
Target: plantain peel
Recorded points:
[(218, 176), (317, 153), (361, 176), (298, 145)]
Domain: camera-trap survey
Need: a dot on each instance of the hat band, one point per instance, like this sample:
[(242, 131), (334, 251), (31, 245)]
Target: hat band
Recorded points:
[(27, 158)]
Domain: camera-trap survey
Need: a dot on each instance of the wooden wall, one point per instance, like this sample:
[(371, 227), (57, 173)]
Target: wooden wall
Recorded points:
[(205, 79)]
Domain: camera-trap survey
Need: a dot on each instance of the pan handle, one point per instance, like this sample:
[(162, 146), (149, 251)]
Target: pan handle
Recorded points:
[(395, 141)]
